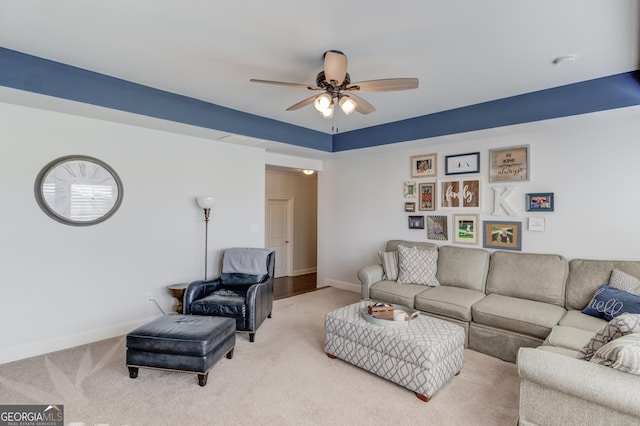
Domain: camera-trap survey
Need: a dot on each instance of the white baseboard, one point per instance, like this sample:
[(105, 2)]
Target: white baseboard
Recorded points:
[(305, 271), (356, 288), (64, 342)]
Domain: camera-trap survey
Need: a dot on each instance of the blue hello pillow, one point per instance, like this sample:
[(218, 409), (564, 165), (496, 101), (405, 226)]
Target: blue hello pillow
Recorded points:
[(609, 302)]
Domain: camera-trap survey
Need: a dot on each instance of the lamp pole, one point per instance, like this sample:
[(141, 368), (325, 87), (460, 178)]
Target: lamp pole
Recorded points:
[(206, 203)]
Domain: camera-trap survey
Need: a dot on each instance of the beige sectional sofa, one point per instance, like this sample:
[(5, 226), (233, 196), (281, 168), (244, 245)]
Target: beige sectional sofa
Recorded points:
[(525, 307)]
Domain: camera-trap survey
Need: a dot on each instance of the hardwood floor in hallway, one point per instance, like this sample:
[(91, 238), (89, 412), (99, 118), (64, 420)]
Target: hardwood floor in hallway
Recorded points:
[(291, 286)]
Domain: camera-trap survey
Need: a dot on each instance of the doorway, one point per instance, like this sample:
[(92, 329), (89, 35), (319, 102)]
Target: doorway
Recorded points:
[(291, 211)]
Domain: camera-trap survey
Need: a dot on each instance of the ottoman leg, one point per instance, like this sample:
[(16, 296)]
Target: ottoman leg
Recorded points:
[(202, 379), (422, 397), (133, 372), (252, 337), (230, 353), (332, 356)]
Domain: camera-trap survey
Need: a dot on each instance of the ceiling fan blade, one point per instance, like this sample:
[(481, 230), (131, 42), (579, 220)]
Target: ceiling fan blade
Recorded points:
[(363, 107), (335, 66), (384, 85), (302, 103), (282, 83)]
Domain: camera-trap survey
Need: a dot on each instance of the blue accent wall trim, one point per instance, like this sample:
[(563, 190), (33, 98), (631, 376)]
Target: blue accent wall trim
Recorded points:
[(617, 91), (33, 74)]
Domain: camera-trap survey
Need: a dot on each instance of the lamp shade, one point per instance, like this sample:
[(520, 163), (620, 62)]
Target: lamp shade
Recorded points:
[(347, 105), (206, 202)]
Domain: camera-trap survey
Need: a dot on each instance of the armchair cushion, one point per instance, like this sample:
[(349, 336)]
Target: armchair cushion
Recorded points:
[(222, 303)]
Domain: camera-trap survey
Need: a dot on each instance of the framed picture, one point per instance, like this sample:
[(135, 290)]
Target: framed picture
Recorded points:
[(437, 228), (410, 189), (465, 228), (536, 224), (427, 196), (460, 193), (540, 202), (463, 163), (416, 222), (502, 235), (409, 207), (509, 164), (424, 165)]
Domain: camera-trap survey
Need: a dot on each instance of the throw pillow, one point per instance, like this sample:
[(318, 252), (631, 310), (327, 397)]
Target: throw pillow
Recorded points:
[(609, 302), (417, 266), (389, 261), (617, 327), (625, 282), (622, 354)]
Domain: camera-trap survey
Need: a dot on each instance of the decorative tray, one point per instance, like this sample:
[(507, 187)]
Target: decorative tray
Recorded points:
[(387, 320)]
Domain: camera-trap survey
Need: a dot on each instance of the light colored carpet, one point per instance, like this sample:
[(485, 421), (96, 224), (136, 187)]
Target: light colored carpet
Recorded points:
[(283, 378)]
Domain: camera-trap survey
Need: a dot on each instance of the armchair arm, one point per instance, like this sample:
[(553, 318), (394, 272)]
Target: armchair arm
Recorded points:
[(260, 301), (368, 276), (196, 290)]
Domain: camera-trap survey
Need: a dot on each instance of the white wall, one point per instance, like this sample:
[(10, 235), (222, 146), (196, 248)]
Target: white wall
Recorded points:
[(63, 285), (590, 162)]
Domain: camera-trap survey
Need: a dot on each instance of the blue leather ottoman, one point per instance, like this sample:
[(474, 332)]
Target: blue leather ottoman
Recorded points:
[(186, 343)]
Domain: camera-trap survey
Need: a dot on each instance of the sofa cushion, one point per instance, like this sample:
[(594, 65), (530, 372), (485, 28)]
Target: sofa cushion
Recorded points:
[(537, 277), (625, 282), (451, 302), (392, 292), (518, 315), (570, 338), (622, 354), (576, 319), (463, 267), (617, 327), (417, 266), (609, 302), (389, 260)]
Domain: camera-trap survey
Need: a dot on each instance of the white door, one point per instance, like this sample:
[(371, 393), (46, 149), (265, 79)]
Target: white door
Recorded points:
[(278, 229)]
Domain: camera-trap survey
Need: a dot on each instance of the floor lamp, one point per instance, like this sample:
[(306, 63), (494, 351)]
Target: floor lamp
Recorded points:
[(206, 203)]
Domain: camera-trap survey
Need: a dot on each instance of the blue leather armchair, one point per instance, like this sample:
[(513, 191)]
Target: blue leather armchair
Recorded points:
[(245, 296)]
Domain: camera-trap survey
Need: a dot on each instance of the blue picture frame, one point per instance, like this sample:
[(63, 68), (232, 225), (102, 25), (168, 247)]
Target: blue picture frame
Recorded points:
[(540, 202)]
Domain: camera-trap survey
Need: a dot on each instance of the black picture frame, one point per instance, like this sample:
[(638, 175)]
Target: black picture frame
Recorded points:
[(462, 164), (416, 222)]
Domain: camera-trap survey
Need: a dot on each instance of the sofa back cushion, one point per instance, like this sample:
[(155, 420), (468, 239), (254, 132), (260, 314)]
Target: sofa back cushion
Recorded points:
[(539, 277), (463, 267), (586, 277), (392, 245)]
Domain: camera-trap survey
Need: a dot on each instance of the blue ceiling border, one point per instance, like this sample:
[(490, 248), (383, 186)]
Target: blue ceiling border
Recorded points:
[(616, 91), (30, 73)]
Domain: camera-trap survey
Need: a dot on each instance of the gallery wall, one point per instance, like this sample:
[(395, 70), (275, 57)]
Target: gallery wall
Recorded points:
[(589, 162), (64, 285)]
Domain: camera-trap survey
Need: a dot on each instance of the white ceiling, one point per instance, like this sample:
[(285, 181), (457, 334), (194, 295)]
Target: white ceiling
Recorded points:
[(463, 52)]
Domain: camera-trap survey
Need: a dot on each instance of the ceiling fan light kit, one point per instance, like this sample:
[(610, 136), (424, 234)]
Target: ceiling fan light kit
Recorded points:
[(335, 81)]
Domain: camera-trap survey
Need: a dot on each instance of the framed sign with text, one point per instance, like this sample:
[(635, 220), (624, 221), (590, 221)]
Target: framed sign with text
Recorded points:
[(509, 164)]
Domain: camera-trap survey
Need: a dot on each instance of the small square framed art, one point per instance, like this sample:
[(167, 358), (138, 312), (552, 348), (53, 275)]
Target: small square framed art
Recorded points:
[(502, 235)]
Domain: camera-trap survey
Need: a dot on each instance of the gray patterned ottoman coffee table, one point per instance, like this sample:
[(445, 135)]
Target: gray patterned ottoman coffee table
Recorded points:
[(421, 356)]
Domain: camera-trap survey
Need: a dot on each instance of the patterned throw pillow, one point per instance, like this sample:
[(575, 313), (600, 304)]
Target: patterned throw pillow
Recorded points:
[(617, 327), (389, 261), (622, 354), (609, 302), (417, 266), (625, 282)]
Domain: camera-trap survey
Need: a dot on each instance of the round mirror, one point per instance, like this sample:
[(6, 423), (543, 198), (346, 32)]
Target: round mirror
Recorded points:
[(78, 190)]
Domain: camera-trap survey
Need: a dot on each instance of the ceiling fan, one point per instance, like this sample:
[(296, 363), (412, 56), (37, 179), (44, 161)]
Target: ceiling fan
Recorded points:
[(335, 82)]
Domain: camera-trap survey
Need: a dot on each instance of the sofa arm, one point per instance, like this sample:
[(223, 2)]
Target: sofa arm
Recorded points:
[(368, 276), (556, 387)]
